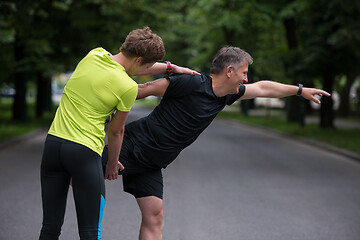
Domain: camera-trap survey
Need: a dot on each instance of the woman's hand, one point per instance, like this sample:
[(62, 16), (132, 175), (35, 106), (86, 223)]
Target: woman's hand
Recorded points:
[(112, 170), (183, 70)]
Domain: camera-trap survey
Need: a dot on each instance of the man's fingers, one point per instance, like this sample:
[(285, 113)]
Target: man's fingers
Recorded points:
[(326, 94), (315, 100)]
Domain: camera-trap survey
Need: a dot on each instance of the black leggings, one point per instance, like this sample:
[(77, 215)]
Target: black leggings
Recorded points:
[(62, 160)]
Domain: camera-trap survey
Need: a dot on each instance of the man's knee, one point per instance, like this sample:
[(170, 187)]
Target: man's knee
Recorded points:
[(153, 218), (151, 211)]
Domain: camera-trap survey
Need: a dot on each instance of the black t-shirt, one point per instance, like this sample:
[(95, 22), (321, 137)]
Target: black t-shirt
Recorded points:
[(188, 106)]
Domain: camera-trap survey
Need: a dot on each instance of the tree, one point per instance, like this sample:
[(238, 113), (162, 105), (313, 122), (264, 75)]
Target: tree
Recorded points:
[(7, 35), (29, 39), (295, 105), (325, 53), (245, 24), (348, 38)]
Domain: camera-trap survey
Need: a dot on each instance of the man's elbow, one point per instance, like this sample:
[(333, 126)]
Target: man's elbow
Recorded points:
[(140, 95), (141, 91)]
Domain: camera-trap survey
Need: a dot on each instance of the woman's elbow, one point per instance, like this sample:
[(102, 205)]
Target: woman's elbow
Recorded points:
[(117, 132)]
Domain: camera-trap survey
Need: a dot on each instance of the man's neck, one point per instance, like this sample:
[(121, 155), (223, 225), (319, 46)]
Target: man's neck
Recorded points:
[(217, 85)]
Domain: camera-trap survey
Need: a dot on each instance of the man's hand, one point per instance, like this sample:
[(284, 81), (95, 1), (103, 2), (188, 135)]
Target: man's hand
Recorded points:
[(183, 70), (112, 170), (310, 93)]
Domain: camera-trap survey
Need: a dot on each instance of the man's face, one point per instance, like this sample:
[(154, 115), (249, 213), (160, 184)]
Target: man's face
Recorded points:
[(239, 76)]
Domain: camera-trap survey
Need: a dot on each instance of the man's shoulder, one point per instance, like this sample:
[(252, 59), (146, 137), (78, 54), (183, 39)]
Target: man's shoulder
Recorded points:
[(187, 79), (183, 85)]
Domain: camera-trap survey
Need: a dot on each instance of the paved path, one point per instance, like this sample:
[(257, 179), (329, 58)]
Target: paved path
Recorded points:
[(235, 182)]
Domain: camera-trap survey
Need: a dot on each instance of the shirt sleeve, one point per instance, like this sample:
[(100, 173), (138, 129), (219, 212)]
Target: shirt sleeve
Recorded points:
[(180, 85), (230, 99), (127, 99)]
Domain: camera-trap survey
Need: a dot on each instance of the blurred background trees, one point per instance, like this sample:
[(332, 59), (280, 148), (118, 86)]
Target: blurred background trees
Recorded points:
[(292, 41)]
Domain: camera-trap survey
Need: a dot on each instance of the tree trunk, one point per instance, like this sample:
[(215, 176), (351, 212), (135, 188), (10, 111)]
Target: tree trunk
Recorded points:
[(290, 32), (43, 96), (326, 109), (19, 104), (294, 104), (344, 108)]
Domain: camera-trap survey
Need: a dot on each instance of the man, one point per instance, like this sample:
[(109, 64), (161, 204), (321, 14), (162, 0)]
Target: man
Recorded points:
[(189, 105)]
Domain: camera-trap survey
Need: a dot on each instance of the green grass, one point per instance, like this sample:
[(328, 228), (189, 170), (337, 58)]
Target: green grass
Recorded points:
[(10, 129), (348, 139)]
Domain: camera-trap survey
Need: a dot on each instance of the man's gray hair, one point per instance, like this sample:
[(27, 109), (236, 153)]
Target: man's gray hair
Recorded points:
[(227, 56)]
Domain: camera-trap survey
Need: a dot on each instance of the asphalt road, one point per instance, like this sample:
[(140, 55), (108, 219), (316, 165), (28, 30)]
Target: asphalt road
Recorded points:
[(235, 182)]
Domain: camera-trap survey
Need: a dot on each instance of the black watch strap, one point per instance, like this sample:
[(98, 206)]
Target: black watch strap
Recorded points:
[(299, 90)]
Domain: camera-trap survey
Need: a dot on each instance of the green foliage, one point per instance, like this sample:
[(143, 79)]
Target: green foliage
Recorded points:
[(53, 35), (330, 38), (192, 30)]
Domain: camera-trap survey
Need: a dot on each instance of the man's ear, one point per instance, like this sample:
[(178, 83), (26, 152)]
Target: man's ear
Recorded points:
[(228, 71)]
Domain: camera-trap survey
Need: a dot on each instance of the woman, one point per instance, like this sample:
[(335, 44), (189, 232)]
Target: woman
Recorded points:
[(99, 85)]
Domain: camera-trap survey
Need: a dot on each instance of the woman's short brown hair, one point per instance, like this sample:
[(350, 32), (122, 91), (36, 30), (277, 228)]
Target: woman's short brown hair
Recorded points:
[(227, 56), (143, 43)]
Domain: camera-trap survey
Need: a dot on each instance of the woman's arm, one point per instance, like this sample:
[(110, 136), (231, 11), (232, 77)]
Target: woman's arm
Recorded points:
[(115, 138), (160, 68)]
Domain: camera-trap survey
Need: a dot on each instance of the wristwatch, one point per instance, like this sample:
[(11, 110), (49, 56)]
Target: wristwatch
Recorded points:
[(168, 67), (299, 90)]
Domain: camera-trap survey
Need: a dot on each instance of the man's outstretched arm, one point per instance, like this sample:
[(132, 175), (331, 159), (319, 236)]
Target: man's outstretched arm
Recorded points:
[(272, 89), (153, 88)]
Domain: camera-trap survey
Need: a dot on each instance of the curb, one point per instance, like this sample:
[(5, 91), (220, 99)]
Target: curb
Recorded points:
[(22, 138), (325, 146)]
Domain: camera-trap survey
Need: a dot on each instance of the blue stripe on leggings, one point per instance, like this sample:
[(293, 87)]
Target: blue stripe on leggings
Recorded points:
[(102, 207)]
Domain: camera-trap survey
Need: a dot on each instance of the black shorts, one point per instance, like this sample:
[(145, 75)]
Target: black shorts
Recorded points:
[(139, 179)]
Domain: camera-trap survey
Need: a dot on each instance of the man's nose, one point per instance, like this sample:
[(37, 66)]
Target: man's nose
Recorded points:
[(245, 79)]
